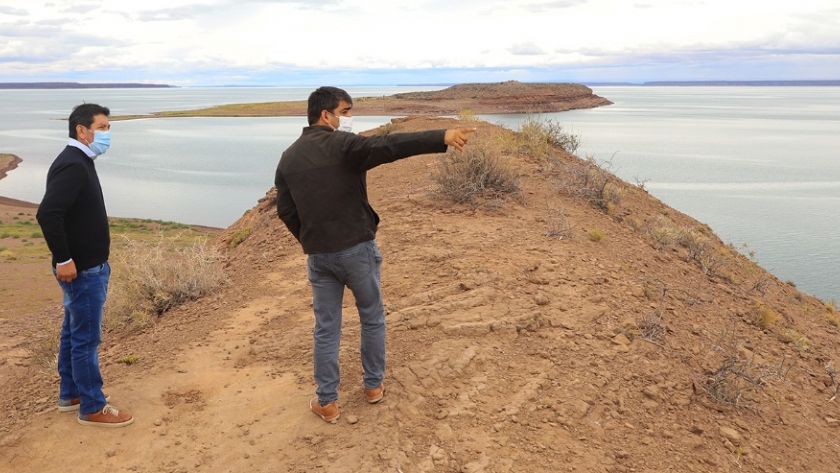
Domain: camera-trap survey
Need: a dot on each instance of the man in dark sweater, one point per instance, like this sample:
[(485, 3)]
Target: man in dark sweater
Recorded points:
[(322, 199), (74, 223)]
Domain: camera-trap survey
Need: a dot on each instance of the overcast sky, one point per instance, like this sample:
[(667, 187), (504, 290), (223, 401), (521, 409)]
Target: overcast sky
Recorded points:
[(353, 42)]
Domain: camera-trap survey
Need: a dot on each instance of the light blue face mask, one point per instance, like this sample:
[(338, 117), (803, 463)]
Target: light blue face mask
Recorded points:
[(101, 142)]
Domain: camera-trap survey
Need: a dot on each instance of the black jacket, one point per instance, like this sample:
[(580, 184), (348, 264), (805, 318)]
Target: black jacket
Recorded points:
[(72, 214), (322, 188)]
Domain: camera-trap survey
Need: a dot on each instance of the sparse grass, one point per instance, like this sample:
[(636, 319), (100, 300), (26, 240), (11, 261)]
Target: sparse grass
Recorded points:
[(237, 237), (764, 316), (130, 359), (478, 171), (21, 228), (831, 313), (596, 234), (152, 277), (790, 335)]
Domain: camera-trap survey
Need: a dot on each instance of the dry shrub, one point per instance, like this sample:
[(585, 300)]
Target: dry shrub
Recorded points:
[(150, 278), (588, 181), (387, 129), (478, 171), (732, 381), (698, 247), (467, 115), (652, 328), (831, 313), (557, 223), (43, 350), (538, 138)]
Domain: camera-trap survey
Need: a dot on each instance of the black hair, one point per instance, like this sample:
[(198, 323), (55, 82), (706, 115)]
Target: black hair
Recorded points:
[(83, 115), (325, 98)]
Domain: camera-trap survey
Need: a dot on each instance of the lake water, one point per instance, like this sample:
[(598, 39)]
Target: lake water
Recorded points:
[(760, 165)]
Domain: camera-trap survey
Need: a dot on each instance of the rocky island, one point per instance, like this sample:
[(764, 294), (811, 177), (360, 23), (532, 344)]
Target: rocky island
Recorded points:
[(483, 98)]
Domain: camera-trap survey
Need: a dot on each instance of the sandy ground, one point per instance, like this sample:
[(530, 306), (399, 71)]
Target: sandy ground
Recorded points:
[(509, 350)]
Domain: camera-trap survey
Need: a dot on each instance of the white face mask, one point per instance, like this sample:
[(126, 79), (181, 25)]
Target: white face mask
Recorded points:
[(345, 124)]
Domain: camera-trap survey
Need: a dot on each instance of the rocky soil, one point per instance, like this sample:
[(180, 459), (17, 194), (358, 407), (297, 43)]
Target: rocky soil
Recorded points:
[(538, 333)]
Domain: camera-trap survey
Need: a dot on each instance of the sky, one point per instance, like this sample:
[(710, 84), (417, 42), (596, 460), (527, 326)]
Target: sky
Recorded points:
[(394, 42)]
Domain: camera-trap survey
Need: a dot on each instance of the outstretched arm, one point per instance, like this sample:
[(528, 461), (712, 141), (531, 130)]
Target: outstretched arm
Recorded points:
[(365, 153)]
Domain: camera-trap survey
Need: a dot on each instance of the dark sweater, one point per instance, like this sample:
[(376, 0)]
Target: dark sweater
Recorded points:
[(72, 214), (322, 186)]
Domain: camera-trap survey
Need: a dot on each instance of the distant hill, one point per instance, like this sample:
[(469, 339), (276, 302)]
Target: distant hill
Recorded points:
[(78, 85)]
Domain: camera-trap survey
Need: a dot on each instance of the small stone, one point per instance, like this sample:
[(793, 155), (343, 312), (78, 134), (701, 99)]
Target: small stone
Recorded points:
[(730, 434), (652, 392), (541, 299), (621, 339), (247, 456), (352, 420), (158, 422), (110, 453)]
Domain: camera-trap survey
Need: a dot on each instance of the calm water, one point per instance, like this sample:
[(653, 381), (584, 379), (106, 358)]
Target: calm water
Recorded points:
[(760, 165)]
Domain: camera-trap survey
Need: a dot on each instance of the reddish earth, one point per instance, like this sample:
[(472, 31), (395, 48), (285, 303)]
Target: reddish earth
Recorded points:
[(509, 350)]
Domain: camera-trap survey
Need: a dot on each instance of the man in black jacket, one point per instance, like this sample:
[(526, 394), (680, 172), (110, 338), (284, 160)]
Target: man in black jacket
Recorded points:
[(322, 199), (74, 223)]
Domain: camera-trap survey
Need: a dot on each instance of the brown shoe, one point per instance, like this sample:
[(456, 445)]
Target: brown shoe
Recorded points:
[(109, 416), (70, 405), (375, 395), (329, 412)]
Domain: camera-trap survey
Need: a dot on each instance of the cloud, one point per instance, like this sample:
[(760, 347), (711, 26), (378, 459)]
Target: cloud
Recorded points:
[(552, 5), (4, 10), (81, 8), (525, 49)]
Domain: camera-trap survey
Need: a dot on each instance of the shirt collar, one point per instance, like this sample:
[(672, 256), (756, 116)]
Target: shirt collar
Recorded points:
[(78, 144)]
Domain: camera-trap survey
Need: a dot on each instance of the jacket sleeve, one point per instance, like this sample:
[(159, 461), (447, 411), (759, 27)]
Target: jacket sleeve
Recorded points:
[(286, 208), (64, 183), (362, 153)]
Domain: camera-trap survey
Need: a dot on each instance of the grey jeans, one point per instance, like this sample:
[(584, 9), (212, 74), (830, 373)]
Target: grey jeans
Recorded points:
[(357, 268)]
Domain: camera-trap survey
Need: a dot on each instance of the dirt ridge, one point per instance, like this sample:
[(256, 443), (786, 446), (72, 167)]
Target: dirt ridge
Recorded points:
[(510, 349)]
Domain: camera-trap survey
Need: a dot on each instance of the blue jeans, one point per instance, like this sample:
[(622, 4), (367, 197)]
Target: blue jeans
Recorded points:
[(357, 268), (78, 357)]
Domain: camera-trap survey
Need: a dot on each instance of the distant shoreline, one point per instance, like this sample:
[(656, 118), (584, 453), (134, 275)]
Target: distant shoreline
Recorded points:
[(8, 162), (722, 83), (77, 85)]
